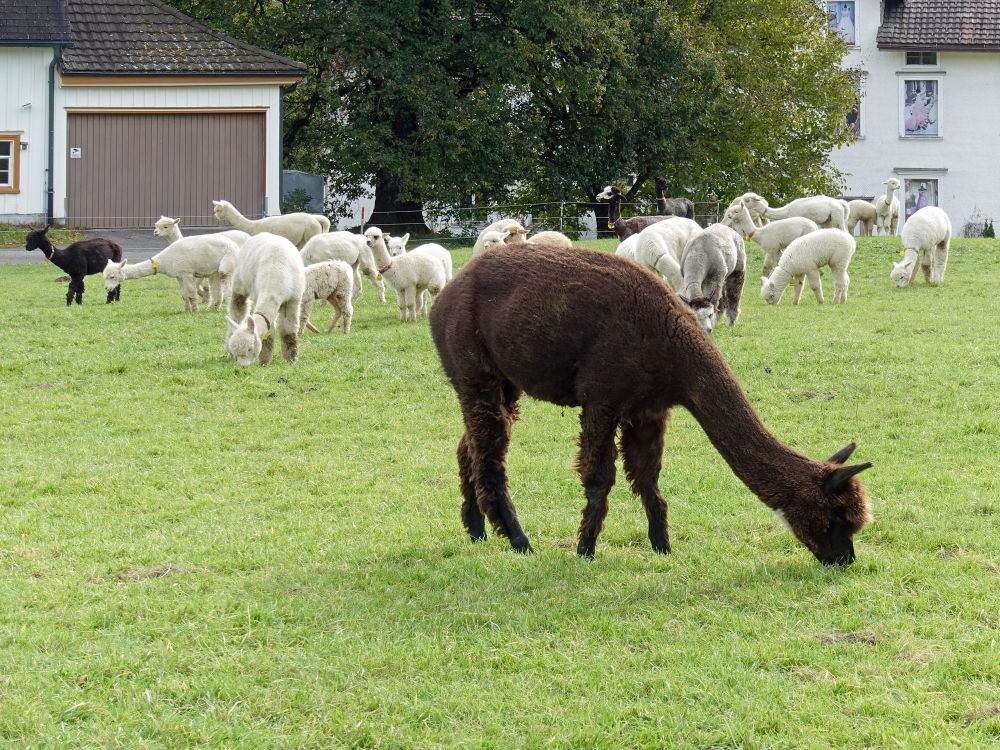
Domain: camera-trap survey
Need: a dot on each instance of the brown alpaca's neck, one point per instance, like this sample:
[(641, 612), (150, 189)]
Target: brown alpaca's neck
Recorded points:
[(763, 463), (661, 200)]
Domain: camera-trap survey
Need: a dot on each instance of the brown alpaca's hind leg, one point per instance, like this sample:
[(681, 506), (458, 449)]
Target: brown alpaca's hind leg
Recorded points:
[(472, 516), (596, 466), (642, 456), (489, 414)]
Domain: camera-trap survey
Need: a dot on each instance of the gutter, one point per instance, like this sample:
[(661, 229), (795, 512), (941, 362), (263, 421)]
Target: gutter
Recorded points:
[(49, 186)]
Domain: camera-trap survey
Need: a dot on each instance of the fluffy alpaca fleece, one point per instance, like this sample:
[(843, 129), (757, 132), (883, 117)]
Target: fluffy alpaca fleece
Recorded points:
[(270, 271), (550, 237), (805, 256), (332, 280), (887, 208), (296, 228), (397, 246), (927, 231), (409, 274), (861, 212), (627, 247), (756, 205), (515, 233), (824, 210), (209, 256), (80, 259), (714, 269), (170, 230), (350, 248), (661, 246), (491, 239)]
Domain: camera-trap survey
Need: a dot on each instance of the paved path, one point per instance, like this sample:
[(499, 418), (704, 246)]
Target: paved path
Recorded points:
[(138, 244)]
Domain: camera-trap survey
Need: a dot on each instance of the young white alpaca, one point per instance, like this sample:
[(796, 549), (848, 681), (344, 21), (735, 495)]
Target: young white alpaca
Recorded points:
[(170, 230), (332, 280), (270, 271), (397, 246), (824, 210), (550, 237), (350, 248), (887, 208), (208, 256), (928, 230), (491, 239), (296, 228), (513, 228), (714, 269), (661, 247), (756, 205), (409, 274), (806, 255), (627, 247), (861, 212)]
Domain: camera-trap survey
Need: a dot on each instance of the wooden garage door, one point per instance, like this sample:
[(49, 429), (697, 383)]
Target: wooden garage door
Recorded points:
[(126, 170)]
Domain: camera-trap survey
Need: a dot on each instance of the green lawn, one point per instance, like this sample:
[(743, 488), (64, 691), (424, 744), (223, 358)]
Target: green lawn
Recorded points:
[(13, 236), (199, 556)]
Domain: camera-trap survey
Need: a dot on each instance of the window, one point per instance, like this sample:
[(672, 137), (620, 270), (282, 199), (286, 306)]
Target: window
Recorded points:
[(843, 20), (920, 108), (855, 117), (10, 162), (921, 58), (919, 192)]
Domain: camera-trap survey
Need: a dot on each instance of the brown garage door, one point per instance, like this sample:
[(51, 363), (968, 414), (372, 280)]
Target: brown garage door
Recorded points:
[(126, 170)]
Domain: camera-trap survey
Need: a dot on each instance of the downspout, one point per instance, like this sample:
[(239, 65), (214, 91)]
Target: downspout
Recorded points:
[(50, 188), (281, 147)]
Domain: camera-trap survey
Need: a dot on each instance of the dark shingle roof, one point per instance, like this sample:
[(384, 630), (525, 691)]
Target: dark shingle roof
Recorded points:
[(941, 24), (33, 21), (148, 37)]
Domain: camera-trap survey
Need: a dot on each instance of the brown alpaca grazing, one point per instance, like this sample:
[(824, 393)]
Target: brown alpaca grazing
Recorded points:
[(612, 338)]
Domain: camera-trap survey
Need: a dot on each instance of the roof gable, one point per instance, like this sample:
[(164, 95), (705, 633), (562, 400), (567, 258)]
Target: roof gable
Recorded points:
[(36, 22), (940, 24)]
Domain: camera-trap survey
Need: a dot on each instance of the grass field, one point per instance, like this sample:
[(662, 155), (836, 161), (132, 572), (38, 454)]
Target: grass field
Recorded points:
[(12, 236), (197, 556)]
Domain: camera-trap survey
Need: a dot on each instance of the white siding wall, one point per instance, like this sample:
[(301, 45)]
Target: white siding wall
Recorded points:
[(963, 159), (171, 97), (23, 78)]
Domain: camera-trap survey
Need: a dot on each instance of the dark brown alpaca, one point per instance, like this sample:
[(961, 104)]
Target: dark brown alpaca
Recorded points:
[(671, 206), (624, 228), (584, 328)]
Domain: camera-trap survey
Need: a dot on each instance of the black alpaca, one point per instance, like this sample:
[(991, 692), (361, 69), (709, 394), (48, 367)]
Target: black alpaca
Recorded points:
[(80, 259), (671, 206), (584, 328)]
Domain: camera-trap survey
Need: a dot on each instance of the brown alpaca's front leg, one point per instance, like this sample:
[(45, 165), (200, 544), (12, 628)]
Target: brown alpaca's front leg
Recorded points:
[(70, 292), (642, 456), (79, 291), (596, 465)]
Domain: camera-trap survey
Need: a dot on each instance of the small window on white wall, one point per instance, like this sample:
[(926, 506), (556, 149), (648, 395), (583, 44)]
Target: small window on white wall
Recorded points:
[(919, 192), (920, 107), (917, 57), (855, 117), (843, 20)]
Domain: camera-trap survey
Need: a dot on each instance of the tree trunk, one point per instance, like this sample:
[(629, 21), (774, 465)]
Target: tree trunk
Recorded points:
[(393, 214)]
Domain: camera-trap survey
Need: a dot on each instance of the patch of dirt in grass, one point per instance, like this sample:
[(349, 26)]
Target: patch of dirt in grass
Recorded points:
[(807, 395), (810, 674), (141, 574), (984, 715), (919, 656), (857, 636), (949, 552), (566, 543), (47, 386), (61, 279)]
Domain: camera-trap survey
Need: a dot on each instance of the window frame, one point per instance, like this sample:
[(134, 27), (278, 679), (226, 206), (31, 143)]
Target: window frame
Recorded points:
[(939, 82), (15, 163), (909, 64), (830, 5)]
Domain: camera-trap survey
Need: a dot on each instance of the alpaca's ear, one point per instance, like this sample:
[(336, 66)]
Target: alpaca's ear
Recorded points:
[(233, 325), (843, 454), (175, 222), (250, 325), (842, 476), (405, 238), (764, 280), (505, 235), (46, 230)]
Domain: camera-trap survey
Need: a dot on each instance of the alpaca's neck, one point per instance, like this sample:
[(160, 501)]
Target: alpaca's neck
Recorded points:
[(615, 210), (173, 234), (692, 291), (381, 255), (138, 270), (777, 213), (780, 278), (890, 193), (238, 220), (661, 200), (763, 463)]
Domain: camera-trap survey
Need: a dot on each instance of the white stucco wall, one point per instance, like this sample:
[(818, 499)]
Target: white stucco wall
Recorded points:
[(24, 110), (962, 158)]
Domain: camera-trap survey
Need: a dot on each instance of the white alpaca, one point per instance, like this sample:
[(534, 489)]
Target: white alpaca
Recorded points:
[(409, 274), (824, 210), (756, 205), (805, 256), (513, 228), (714, 269), (929, 231), (887, 208), (490, 239), (269, 271), (861, 212), (627, 247), (170, 230), (189, 259), (550, 237), (297, 228), (350, 248), (661, 246), (397, 246), (332, 280), (324, 221)]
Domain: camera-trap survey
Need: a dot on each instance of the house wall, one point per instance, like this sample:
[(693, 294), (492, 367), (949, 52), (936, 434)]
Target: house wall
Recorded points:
[(159, 96), (962, 158), (23, 78)]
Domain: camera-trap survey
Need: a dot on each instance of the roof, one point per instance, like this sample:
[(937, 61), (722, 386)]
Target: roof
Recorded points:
[(940, 25), (36, 22)]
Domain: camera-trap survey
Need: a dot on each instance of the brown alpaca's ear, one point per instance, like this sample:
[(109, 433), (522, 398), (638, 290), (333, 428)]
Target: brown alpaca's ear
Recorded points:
[(842, 476), (843, 454), (46, 230)]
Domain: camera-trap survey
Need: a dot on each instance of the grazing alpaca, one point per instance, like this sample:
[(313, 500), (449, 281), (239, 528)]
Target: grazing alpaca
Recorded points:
[(887, 208), (189, 259), (928, 231), (350, 248), (170, 230), (509, 227), (671, 206), (804, 257), (550, 237), (409, 274), (332, 280), (297, 228), (628, 351), (623, 228), (80, 259), (270, 271), (714, 269), (861, 212), (661, 248)]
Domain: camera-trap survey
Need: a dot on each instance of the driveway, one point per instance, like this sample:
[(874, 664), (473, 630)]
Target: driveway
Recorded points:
[(138, 244)]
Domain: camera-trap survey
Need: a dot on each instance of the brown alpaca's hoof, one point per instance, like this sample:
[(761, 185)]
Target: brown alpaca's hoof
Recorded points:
[(522, 546)]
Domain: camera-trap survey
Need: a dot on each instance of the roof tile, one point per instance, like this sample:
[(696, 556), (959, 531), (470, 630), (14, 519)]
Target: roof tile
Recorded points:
[(941, 24)]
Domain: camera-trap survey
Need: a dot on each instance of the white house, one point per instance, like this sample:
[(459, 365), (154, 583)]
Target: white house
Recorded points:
[(116, 112), (929, 102)]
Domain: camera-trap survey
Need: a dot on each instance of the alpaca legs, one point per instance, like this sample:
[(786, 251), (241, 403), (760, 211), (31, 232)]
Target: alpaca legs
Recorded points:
[(215, 292), (357, 283), (114, 295), (642, 456), (939, 263), (596, 465), (304, 312), (731, 294), (189, 292), (799, 284), (75, 290), (472, 517), (407, 310), (816, 283), (841, 282), (670, 270), (342, 308), (288, 328), (376, 282), (925, 265)]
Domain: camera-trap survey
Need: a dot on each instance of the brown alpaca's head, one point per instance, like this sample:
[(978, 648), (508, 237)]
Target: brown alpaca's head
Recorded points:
[(826, 515)]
